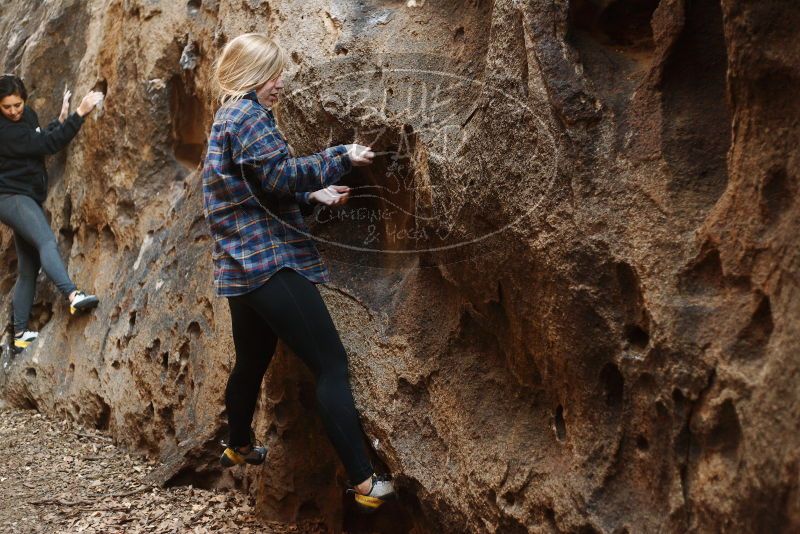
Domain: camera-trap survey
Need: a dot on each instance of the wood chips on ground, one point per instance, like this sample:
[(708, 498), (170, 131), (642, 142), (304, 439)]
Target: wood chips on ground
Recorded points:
[(56, 477)]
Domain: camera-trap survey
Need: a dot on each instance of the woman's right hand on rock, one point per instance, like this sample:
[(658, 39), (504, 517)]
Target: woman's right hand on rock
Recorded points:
[(360, 155), (89, 102)]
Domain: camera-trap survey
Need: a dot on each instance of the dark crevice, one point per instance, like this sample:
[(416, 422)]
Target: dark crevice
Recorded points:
[(619, 24), (686, 446), (778, 192), (726, 434), (103, 418), (560, 424), (696, 129), (188, 131), (636, 317), (752, 341), (613, 385), (636, 336)]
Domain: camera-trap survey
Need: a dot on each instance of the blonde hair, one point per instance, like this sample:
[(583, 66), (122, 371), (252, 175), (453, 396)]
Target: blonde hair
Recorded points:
[(246, 63)]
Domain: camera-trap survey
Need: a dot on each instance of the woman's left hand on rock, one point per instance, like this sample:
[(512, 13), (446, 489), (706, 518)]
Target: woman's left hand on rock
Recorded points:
[(333, 195), (65, 106)]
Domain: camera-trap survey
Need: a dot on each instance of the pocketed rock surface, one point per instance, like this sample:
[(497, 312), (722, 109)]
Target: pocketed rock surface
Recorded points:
[(58, 477), (568, 286)]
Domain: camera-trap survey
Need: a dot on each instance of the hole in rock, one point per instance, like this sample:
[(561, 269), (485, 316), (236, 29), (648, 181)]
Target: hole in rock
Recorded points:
[(66, 232), (726, 434), (41, 314), (103, 418), (115, 364), (198, 478), (752, 340), (704, 274), (101, 85), (636, 317), (132, 319), (777, 193), (188, 132), (193, 6), (165, 360), (587, 529), (621, 24), (194, 329), (550, 515), (661, 409), (167, 417), (30, 372), (636, 336), (107, 239), (183, 353), (308, 510), (679, 399), (561, 426), (642, 443), (27, 403), (613, 385)]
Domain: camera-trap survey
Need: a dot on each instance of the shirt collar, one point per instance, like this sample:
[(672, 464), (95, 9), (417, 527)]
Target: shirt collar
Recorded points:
[(254, 97)]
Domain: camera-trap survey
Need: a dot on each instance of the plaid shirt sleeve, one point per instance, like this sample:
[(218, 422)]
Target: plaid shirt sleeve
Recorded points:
[(304, 202), (259, 149)]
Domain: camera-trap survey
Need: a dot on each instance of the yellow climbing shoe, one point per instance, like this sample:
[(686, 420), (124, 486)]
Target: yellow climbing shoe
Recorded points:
[(382, 490)]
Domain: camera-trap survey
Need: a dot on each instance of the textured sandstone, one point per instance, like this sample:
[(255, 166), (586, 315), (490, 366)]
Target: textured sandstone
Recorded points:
[(614, 345)]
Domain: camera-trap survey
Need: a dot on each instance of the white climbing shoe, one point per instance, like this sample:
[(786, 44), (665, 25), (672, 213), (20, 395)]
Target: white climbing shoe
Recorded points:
[(82, 302)]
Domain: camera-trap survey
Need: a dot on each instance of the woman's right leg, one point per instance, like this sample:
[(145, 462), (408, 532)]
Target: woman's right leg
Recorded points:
[(25, 288), (27, 219), (255, 344)]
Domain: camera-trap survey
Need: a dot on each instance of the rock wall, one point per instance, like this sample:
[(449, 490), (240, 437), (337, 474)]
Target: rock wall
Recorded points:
[(568, 287)]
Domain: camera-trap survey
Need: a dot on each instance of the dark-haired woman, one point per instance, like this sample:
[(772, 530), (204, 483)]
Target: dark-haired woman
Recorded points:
[(23, 189)]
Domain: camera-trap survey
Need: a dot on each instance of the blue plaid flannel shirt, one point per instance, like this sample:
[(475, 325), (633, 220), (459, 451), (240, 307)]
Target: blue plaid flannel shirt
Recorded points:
[(252, 193)]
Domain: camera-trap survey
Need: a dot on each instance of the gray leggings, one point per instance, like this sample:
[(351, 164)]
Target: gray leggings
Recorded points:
[(36, 247)]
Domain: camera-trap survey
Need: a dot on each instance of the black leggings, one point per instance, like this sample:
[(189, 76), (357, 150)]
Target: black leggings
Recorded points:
[(289, 307)]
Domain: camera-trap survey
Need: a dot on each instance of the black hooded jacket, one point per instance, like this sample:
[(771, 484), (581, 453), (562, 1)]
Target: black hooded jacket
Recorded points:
[(23, 146)]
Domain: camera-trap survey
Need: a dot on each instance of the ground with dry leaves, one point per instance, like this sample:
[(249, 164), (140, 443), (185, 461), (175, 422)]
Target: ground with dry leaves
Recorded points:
[(56, 477)]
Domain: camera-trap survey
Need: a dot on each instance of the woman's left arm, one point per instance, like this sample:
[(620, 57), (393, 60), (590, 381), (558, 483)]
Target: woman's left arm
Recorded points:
[(20, 140)]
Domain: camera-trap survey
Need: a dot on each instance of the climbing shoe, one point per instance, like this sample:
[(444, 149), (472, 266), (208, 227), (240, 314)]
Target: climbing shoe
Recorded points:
[(82, 302), (235, 456), (22, 341), (382, 489)]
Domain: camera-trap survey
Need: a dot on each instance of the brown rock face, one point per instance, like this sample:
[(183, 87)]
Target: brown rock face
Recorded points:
[(568, 287)]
